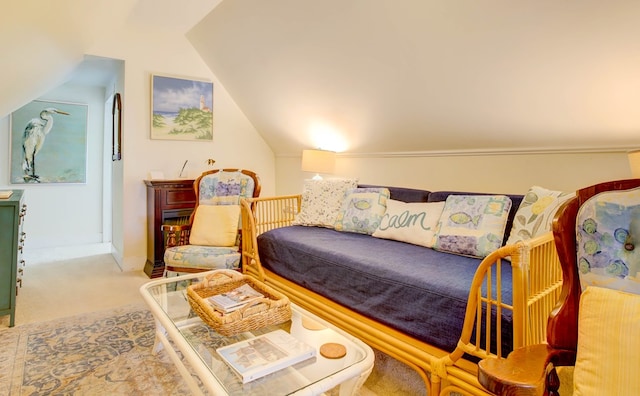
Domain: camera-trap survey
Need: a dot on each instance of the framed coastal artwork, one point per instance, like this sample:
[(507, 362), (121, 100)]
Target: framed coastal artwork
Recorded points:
[(181, 108), (49, 143)]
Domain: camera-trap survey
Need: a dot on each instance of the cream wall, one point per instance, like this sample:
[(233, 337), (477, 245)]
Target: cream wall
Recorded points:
[(235, 143), (497, 172)]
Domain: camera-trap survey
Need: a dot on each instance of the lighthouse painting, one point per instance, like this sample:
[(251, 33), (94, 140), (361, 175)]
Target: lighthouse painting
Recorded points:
[(182, 109)]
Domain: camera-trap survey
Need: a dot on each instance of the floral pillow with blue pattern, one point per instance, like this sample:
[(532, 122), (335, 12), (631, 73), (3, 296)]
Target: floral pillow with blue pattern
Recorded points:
[(608, 240), (225, 188), (362, 210), (472, 225)]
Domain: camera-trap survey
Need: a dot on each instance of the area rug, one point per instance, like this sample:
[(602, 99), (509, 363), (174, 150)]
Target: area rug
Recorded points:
[(110, 353)]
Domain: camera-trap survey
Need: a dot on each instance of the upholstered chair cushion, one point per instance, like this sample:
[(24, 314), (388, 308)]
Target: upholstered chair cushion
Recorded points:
[(411, 222), (608, 235), (362, 209), (472, 225), (225, 188), (203, 257), (215, 225), (608, 343)]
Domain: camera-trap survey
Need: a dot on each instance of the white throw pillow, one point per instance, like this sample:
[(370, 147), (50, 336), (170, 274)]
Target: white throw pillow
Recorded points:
[(215, 225), (535, 213), (322, 201), (411, 222)]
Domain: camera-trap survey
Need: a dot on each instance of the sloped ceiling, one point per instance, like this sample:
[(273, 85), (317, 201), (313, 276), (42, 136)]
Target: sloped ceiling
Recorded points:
[(380, 76), (44, 41)]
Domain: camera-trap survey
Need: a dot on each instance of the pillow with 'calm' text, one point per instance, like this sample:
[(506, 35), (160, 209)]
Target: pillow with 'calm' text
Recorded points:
[(410, 222)]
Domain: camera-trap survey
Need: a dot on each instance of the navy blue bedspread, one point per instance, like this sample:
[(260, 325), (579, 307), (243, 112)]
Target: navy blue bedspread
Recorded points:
[(416, 290)]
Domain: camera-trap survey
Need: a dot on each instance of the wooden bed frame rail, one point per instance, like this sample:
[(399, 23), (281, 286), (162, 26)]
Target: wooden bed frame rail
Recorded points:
[(537, 282)]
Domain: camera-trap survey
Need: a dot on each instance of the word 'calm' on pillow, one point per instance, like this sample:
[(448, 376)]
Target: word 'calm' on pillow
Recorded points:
[(535, 213), (362, 209), (215, 225), (410, 222), (322, 200), (607, 359), (472, 225)]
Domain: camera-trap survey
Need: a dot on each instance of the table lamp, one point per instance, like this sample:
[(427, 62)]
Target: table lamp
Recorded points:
[(318, 161), (634, 163)]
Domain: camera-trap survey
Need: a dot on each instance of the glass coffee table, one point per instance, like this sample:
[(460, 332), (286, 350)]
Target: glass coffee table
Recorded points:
[(180, 330)]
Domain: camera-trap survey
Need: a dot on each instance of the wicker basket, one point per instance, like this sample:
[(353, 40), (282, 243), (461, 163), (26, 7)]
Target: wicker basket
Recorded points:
[(273, 309)]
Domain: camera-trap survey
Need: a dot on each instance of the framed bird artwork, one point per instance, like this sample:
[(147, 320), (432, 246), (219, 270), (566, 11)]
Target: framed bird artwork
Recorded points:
[(49, 143)]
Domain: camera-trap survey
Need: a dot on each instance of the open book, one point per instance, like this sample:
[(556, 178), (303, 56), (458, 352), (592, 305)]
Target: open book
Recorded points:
[(234, 299), (265, 354)]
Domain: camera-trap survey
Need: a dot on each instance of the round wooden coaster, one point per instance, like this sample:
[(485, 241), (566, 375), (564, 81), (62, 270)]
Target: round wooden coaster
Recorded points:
[(311, 324), (332, 350)]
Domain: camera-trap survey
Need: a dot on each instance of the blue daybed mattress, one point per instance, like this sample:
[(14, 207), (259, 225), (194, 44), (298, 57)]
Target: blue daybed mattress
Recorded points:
[(416, 290)]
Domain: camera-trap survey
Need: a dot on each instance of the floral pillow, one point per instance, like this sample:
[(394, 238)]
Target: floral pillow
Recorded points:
[(362, 210), (535, 213), (472, 225), (322, 200), (608, 243), (410, 222)]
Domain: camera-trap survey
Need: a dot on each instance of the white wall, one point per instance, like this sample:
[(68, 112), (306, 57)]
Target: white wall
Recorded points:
[(235, 143), (499, 173), (61, 216), (65, 214)]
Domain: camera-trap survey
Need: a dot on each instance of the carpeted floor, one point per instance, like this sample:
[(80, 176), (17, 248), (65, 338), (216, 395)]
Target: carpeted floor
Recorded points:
[(110, 353)]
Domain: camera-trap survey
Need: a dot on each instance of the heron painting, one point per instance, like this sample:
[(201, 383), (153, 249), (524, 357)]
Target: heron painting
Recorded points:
[(49, 143)]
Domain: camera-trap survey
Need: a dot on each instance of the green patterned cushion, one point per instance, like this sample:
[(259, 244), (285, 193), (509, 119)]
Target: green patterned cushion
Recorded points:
[(608, 240), (535, 213), (362, 210), (472, 225)]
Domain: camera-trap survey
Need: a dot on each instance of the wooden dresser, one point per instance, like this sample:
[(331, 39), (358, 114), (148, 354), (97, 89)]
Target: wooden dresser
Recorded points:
[(168, 202), (12, 212)]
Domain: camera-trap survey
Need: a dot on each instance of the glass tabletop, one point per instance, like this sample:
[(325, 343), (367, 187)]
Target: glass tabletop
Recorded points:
[(168, 301)]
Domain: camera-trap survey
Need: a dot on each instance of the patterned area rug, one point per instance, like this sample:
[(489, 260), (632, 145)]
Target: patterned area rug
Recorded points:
[(110, 353), (94, 354)]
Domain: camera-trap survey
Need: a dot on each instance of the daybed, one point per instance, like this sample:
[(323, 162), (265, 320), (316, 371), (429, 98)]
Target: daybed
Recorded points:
[(363, 284)]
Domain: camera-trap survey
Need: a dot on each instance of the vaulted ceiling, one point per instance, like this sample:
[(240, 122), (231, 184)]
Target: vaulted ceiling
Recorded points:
[(424, 75), (376, 76)]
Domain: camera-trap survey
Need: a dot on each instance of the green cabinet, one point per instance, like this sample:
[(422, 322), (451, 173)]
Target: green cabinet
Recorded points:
[(12, 212)]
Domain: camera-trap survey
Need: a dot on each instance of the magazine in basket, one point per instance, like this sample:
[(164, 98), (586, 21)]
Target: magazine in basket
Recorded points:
[(235, 299), (256, 357)]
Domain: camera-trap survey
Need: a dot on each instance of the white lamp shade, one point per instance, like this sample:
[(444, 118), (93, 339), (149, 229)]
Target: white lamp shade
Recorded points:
[(634, 163), (318, 161)]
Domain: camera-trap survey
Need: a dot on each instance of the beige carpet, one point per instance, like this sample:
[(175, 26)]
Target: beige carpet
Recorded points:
[(110, 353)]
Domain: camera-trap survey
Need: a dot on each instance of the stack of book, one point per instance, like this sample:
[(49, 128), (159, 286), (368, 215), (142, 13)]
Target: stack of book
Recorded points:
[(265, 354), (235, 299)]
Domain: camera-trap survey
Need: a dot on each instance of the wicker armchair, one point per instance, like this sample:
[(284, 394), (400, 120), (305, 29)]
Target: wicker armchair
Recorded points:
[(594, 326), (196, 246)]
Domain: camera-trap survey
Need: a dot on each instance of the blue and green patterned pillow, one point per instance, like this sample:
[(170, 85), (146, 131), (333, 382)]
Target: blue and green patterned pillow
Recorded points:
[(608, 240), (472, 225), (362, 210)]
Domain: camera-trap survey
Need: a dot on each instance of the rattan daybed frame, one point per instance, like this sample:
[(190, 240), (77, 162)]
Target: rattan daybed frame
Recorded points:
[(537, 281)]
